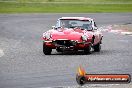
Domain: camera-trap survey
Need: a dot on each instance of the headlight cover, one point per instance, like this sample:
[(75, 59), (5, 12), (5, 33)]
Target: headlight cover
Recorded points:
[(47, 36), (84, 37)]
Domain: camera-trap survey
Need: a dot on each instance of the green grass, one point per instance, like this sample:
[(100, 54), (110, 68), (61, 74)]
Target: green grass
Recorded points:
[(88, 1), (10, 7)]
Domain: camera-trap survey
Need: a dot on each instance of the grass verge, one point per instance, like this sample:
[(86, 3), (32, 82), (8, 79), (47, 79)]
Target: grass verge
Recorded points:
[(10, 7)]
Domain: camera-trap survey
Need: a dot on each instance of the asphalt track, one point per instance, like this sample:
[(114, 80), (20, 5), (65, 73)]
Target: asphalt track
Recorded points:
[(23, 64)]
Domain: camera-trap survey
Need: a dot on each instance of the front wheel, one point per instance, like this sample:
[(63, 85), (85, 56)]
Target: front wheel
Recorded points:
[(97, 47), (58, 49), (46, 50), (88, 50)]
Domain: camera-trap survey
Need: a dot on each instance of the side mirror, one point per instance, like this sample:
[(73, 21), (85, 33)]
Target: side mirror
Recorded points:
[(95, 28)]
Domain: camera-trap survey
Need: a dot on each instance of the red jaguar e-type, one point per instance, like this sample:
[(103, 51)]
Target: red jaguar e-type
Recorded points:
[(73, 33)]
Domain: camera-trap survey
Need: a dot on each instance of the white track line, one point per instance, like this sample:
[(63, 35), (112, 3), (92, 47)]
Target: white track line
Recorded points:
[(126, 33), (1, 53)]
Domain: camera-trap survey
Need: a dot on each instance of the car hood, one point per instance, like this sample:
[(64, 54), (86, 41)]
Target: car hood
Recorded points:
[(69, 34)]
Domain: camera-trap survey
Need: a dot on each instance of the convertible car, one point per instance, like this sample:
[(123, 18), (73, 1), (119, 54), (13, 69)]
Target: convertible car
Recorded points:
[(73, 33)]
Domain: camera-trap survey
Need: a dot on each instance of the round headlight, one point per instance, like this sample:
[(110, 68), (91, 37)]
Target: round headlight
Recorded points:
[(84, 37), (47, 35)]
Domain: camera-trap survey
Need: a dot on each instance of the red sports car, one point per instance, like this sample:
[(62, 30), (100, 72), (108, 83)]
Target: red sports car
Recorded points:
[(73, 33)]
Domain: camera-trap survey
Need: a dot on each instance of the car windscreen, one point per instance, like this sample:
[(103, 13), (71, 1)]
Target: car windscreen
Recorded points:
[(83, 24)]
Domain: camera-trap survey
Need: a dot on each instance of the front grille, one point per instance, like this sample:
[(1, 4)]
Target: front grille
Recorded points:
[(66, 43)]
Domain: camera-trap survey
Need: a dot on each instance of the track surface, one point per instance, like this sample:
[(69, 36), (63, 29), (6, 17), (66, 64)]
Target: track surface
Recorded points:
[(23, 64)]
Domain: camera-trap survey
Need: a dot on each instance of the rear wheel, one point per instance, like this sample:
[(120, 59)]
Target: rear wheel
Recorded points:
[(46, 50), (97, 47), (88, 50)]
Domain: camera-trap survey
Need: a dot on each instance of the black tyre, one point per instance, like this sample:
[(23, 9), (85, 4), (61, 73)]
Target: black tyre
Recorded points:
[(46, 50), (97, 47), (58, 49), (88, 50)]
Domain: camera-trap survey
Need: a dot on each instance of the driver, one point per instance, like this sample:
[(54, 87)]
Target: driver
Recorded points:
[(65, 24)]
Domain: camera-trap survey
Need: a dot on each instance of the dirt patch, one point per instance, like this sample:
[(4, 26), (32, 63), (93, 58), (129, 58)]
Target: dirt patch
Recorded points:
[(125, 27)]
